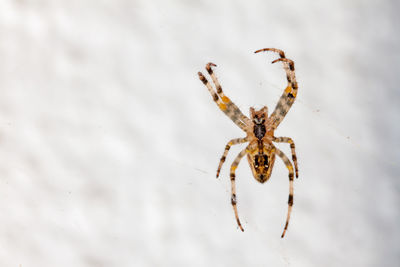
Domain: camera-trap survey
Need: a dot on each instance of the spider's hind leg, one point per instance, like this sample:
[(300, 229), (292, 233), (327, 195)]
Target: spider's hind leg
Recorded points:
[(233, 185), (227, 147), (292, 148), (290, 200)]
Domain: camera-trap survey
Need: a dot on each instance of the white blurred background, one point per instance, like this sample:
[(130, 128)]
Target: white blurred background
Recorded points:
[(109, 143)]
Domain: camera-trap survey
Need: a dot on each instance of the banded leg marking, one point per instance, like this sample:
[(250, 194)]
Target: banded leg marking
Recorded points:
[(289, 95), (232, 110), (225, 107), (280, 52), (292, 148), (227, 147), (290, 200), (288, 65), (233, 185)]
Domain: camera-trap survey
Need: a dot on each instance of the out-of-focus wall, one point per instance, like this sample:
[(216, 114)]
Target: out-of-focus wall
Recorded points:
[(109, 143)]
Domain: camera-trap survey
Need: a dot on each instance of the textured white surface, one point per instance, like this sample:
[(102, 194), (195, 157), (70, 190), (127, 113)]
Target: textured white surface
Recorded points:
[(109, 143)]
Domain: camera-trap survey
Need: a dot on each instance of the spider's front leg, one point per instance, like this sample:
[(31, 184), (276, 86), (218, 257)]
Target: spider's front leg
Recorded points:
[(223, 102), (290, 93), (228, 146), (233, 185), (290, 200), (292, 148)]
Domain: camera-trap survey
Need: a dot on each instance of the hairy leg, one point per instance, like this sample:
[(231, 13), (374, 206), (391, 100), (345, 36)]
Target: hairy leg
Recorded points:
[(234, 110), (289, 95), (223, 102), (292, 147), (290, 201), (233, 185), (228, 146)]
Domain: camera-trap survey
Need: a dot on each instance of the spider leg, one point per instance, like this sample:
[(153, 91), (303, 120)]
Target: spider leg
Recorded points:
[(223, 102), (290, 201), (289, 95), (224, 98), (280, 52), (228, 146), (233, 185), (292, 148)]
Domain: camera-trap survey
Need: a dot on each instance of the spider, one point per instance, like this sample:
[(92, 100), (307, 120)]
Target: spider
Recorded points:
[(259, 129)]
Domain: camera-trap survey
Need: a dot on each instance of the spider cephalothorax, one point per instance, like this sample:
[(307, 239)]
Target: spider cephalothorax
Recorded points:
[(259, 119), (259, 129)]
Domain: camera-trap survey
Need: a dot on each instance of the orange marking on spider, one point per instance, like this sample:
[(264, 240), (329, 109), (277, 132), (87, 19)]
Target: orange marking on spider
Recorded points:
[(225, 99), (222, 106)]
